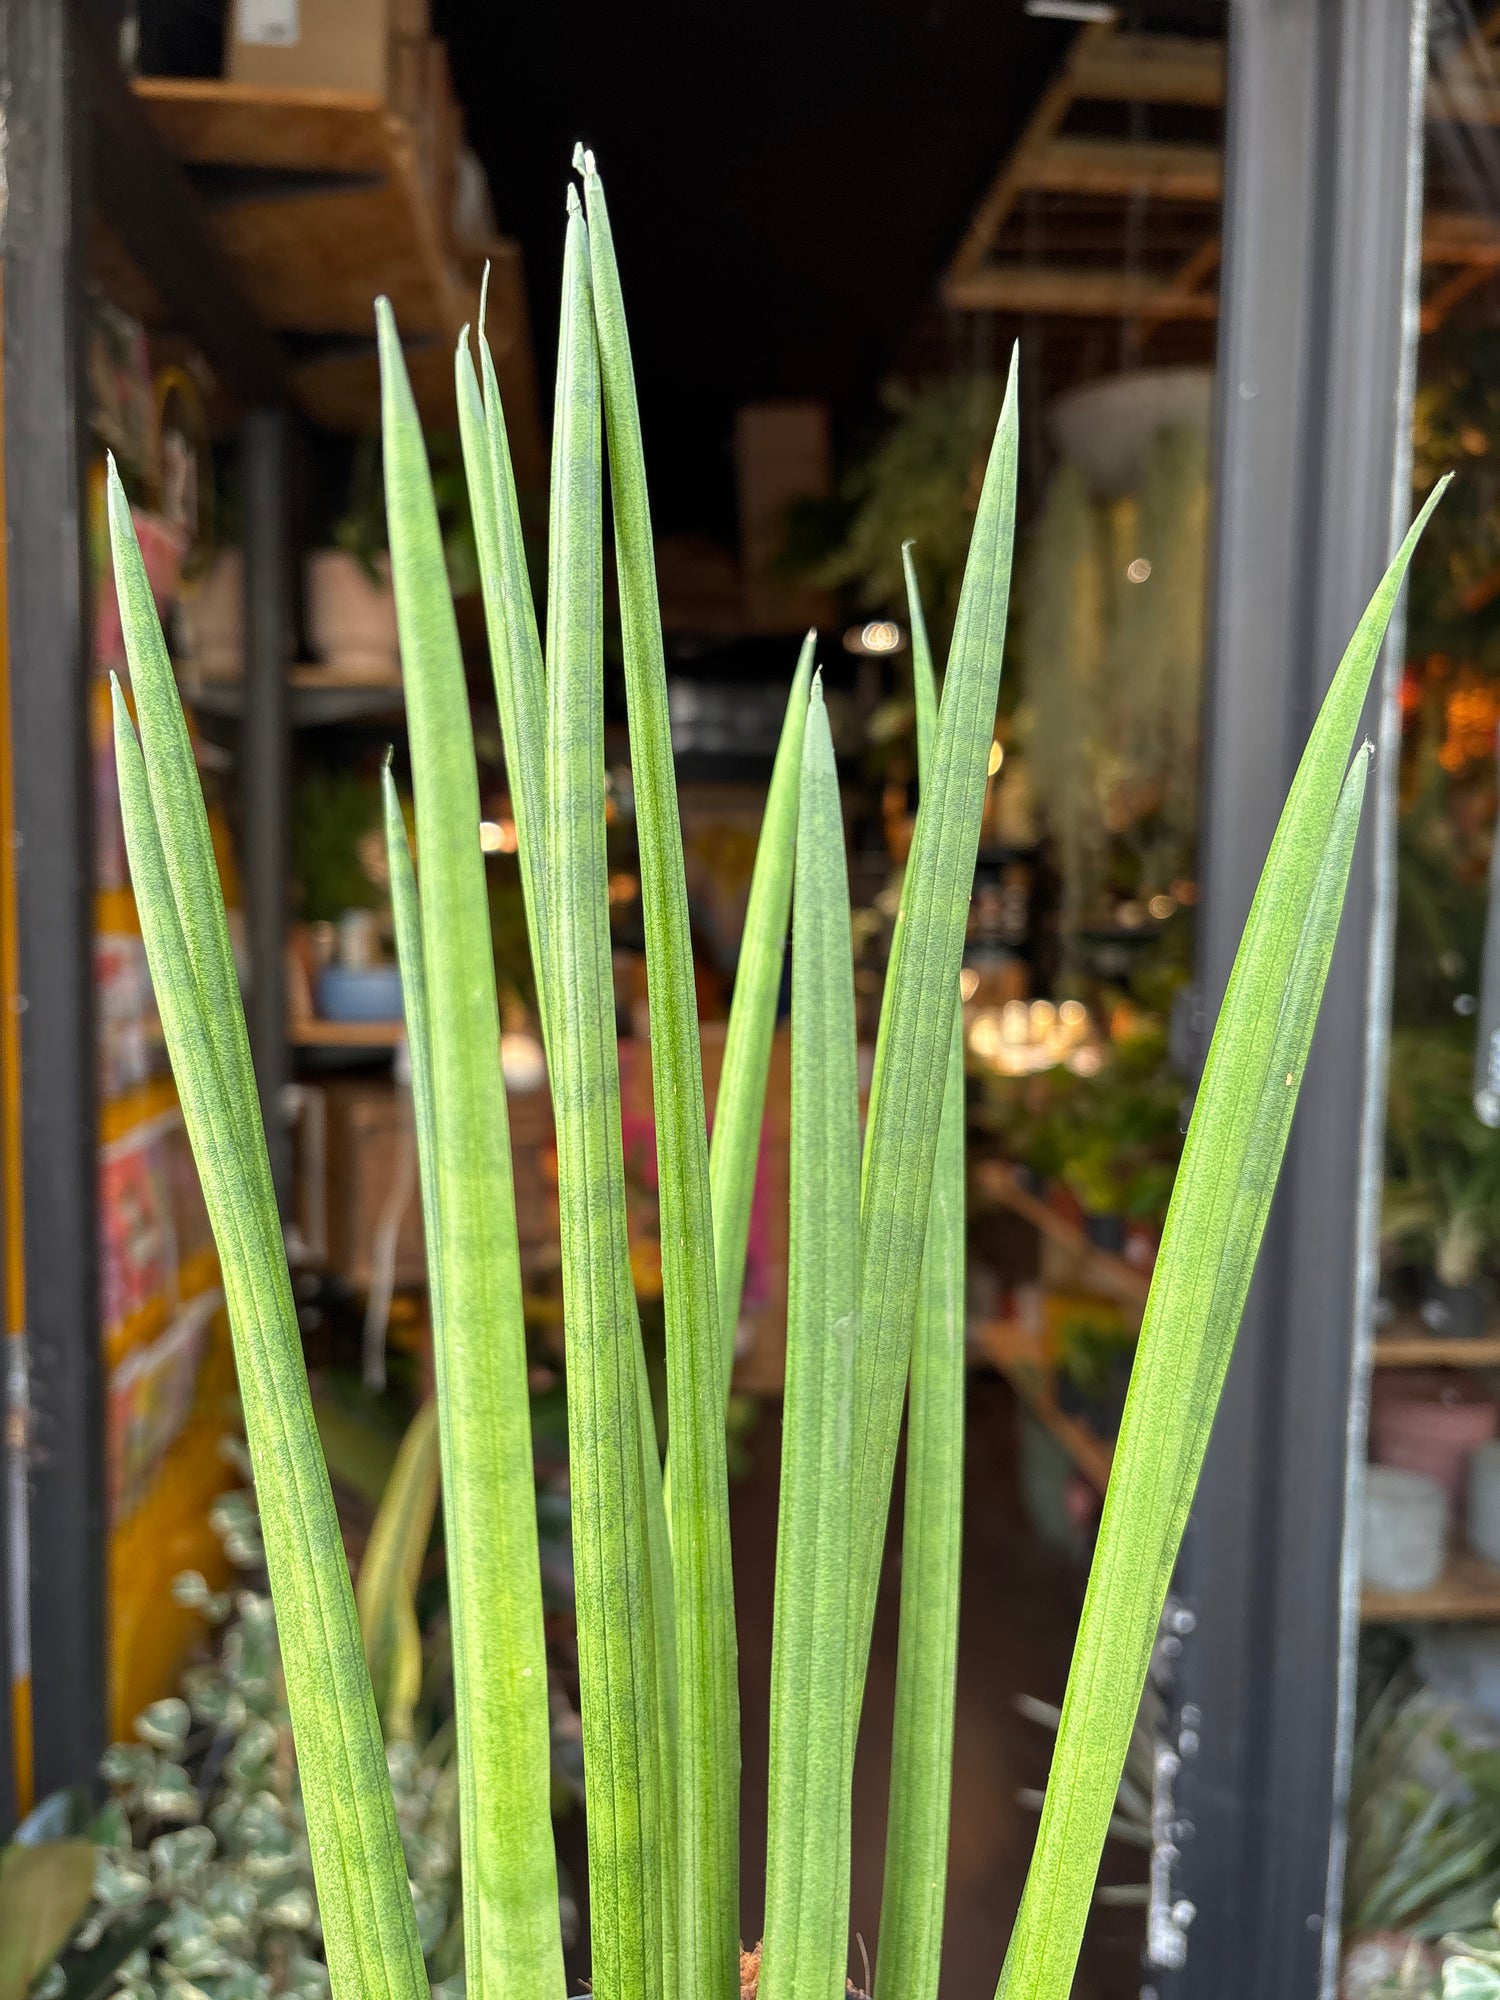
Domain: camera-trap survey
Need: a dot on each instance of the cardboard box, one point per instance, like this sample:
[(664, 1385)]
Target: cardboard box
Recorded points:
[(312, 44)]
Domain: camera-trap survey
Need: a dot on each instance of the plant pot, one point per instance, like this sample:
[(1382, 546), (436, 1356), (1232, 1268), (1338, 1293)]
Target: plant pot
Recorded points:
[(1483, 1521), (1405, 1529), (352, 620), (1386, 1963), (1431, 1422), (1455, 1312), (212, 619)]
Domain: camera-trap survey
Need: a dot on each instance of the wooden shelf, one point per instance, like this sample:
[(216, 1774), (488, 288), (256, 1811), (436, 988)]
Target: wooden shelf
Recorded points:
[(1468, 1588), (319, 202), (995, 1182), (1015, 1350), (1403, 1349), (314, 697), (319, 1034)]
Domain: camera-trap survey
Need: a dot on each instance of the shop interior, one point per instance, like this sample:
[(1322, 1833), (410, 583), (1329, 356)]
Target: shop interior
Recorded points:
[(822, 364)]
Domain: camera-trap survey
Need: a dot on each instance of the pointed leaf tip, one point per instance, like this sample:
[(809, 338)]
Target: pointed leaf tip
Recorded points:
[(580, 158), (484, 298)]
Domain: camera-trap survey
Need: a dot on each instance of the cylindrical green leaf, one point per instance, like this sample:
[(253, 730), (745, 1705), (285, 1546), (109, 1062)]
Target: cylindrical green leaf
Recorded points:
[(739, 1108), (369, 1928), (916, 1842), (512, 1934), (807, 1847), (920, 1003), (1230, 1162), (708, 1755), (611, 1551)]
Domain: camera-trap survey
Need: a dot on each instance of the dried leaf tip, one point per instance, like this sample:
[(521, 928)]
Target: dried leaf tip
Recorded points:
[(815, 692), (574, 205), (484, 299), (583, 161)]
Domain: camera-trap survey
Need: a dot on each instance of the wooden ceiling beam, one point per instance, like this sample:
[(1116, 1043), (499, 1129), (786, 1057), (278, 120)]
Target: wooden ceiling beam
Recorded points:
[(1076, 294), (1149, 69), (1056, 101), (1158, 168)]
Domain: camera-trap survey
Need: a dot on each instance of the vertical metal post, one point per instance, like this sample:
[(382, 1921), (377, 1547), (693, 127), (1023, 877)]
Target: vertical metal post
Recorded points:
[(45, 216), (264, 770), (1317, 337)]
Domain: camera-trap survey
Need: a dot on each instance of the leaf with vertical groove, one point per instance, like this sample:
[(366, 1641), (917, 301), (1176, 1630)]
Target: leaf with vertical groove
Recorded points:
[(369, 1927), (1230, 1162), (916, 1842), (739, 1109), (616, 1645), (512, 1935), (807, 1846), (698, 1500), (920, 1002)]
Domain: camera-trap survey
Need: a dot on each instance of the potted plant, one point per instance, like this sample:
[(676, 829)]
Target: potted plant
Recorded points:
[(876, 1258), (1424, 1843), (1441, 1211), (351, 612)]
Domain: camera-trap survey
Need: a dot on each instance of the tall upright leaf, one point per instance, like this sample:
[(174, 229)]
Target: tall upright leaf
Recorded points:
[(920, 1003), (807, 1847), (512, 1934), (369, 1928), (616, 1652), (698, 1503), (916, 1841), (510, 622), (739, 1109), (1230, 1162), (390, 1569), (520, 692)]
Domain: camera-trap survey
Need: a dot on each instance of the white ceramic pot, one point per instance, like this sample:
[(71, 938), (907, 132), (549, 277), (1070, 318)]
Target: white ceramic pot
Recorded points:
[(1405, 1529), (350, 620), (212, 618)]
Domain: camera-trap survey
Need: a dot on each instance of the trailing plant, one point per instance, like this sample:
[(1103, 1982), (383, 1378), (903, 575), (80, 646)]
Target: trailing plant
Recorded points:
[(1424, 1821), (875, 1266), (1111, 658), (200, 1866), (1442, 1189)]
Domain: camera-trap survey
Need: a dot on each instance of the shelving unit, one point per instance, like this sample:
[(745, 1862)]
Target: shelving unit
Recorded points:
[(998, 1184), (1407, 1345), (319, 202), (1469, 1588)]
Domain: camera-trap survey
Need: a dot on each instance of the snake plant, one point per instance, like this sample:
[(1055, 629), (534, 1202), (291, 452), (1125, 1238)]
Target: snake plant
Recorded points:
[(876, 1261)]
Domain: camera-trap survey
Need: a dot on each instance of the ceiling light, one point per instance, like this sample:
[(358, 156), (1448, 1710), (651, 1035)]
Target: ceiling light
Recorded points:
[(1071, 10)]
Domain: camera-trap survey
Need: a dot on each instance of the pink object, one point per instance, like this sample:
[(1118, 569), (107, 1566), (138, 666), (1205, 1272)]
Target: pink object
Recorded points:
[(1431, 1423)]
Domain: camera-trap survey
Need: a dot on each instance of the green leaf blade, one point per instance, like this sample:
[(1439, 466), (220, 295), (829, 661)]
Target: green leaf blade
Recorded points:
[(511, 1921), (510, 623), (1231, 1158), (369, 1927), (811, 1752), (916, 1854), (918, 1010), (390, 1570), (616, 1642), (708, 1754), (739, 1109)]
